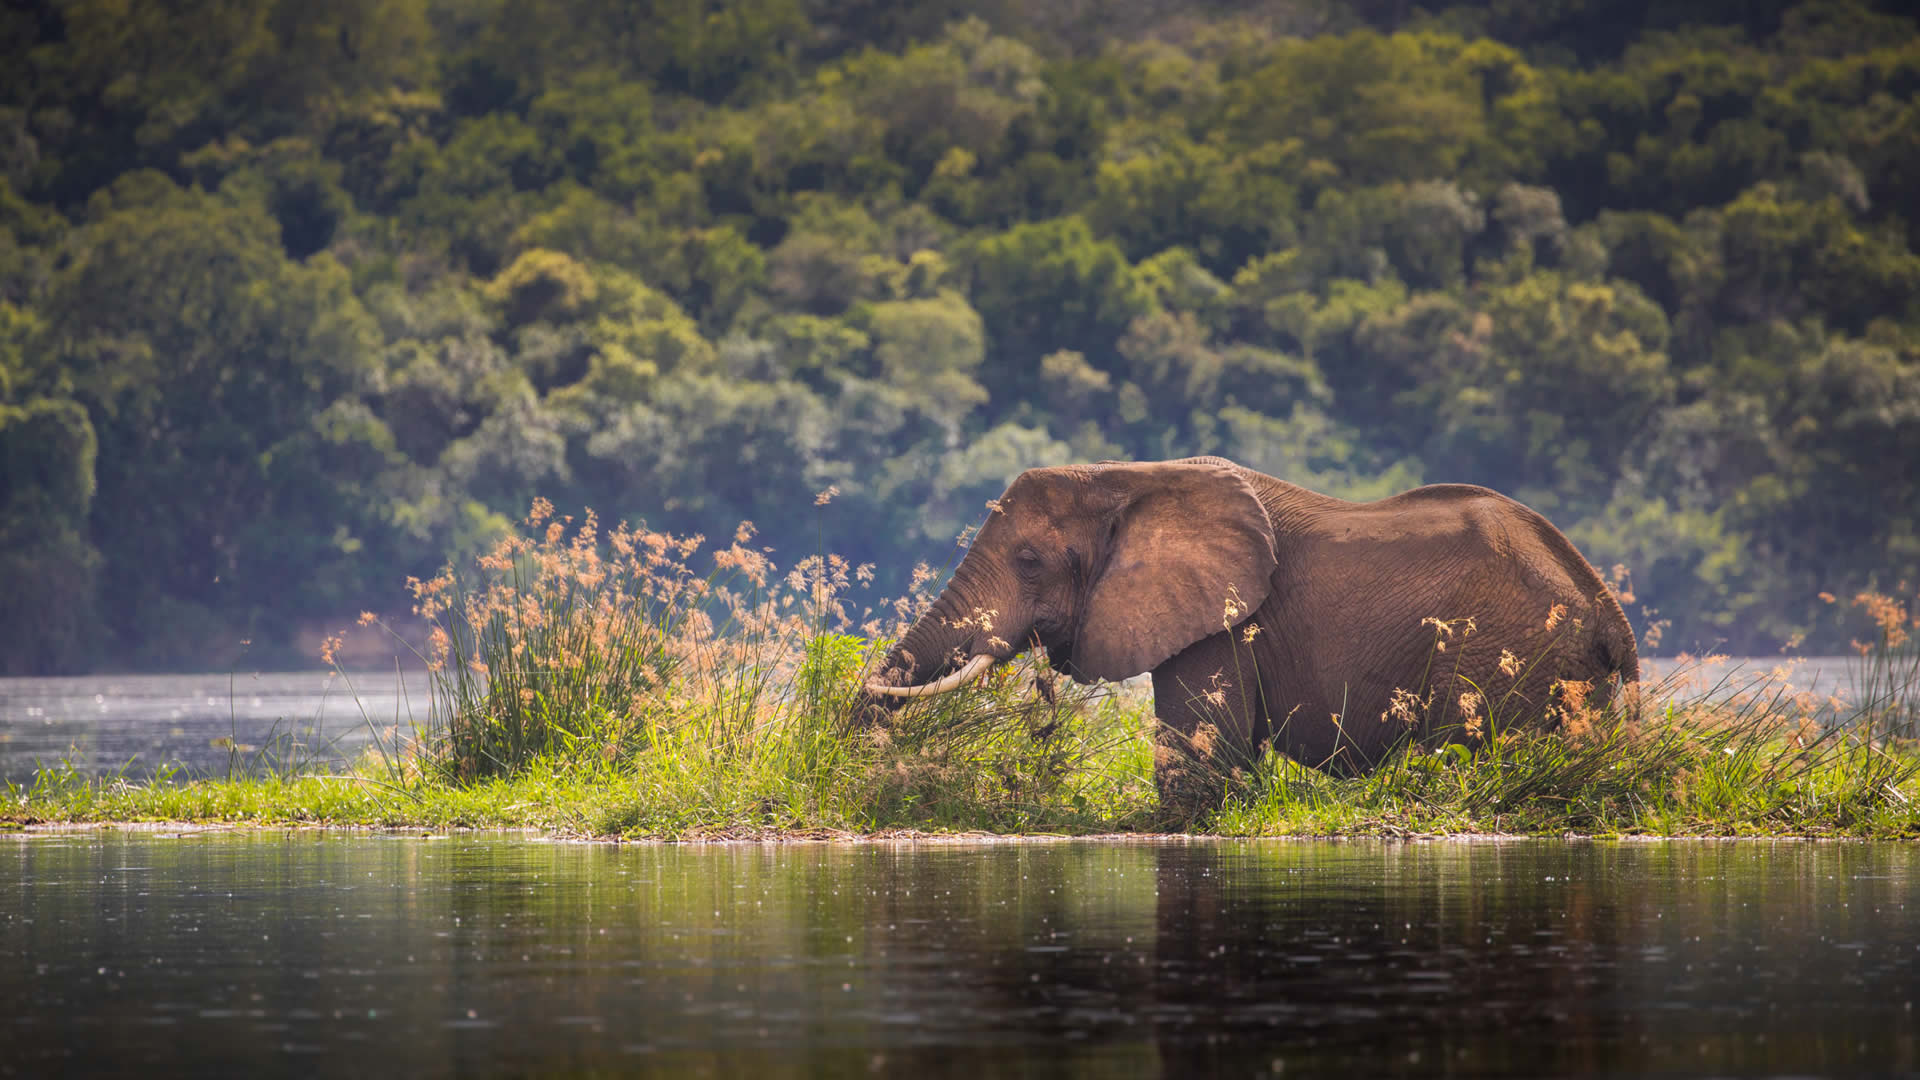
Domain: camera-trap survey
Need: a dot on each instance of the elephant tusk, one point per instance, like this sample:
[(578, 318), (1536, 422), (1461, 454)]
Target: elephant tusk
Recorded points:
[(974, 668)]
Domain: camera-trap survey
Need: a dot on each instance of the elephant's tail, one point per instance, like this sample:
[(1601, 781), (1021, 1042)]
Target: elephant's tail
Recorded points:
[(1616, 650)]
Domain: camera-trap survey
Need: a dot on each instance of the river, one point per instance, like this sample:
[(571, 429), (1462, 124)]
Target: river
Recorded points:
[(199, 724), (328, 953)]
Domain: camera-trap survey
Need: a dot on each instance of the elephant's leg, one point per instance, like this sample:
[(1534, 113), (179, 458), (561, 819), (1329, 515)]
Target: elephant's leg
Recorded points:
[(1207, 703)]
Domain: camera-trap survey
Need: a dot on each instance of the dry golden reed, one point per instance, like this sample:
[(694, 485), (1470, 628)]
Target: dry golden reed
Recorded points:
[(560, 628), (1889, 616), (1554, 614)]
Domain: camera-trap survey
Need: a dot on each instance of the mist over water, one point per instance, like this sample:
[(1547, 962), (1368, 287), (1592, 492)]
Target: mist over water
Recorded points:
[(103, 724)]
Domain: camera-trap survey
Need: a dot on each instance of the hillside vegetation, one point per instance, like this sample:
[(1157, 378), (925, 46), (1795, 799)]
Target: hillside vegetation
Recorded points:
[(297, 300)]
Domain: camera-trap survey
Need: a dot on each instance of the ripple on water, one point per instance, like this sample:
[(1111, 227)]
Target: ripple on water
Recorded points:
[(491, 954)]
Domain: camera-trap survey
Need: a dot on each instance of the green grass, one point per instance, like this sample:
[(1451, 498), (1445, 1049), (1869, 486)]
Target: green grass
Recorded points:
[(1725, 775), (619, 694)]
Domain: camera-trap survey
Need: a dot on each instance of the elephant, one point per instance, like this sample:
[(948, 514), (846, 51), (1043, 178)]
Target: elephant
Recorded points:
[(1267, 613)]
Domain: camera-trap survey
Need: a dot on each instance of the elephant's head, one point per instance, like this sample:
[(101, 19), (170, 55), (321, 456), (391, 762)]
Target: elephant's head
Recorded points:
[(1113, 568)]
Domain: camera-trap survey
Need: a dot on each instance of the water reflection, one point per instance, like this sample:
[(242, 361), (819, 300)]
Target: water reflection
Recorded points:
[(491, 954), (1545, 957)]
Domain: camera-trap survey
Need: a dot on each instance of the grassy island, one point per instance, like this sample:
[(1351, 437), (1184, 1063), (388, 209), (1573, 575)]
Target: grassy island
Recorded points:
[(599, 686)]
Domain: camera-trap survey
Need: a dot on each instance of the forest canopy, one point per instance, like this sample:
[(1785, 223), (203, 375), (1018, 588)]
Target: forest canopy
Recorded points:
[(297, 300)]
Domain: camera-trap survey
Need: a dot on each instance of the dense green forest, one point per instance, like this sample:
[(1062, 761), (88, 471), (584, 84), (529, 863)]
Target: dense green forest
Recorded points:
[(298, 299)]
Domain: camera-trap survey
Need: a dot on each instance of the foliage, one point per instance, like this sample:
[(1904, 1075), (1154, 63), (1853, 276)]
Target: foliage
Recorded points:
[(296, 300)]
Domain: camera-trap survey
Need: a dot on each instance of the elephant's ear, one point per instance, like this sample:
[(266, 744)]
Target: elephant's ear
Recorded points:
[(1191, 553)]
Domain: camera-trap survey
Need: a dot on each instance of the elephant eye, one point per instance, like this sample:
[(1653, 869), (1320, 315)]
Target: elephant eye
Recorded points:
[(1028, 560)]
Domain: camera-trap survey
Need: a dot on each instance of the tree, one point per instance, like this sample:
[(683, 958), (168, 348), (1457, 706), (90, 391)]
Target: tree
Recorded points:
[(48, 453), (1539, 392), (202, 355), (1050, 286), (1372, 109)]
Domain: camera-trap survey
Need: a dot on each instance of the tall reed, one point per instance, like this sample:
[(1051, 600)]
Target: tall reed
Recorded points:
[(1885, 672)]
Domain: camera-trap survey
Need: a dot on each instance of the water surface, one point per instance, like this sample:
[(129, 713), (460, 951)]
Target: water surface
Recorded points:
[(336, 953), (105, 724)]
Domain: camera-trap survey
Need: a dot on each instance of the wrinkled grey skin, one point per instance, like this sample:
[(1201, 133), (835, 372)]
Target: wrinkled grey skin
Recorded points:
[(1272, 613)]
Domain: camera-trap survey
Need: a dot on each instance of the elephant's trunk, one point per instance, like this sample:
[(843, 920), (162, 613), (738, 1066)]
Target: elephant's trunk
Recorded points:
[(936, 640)]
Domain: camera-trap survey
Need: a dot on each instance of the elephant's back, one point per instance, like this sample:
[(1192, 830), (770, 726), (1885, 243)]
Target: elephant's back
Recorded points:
[(1433, 524), (1475, 524)]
